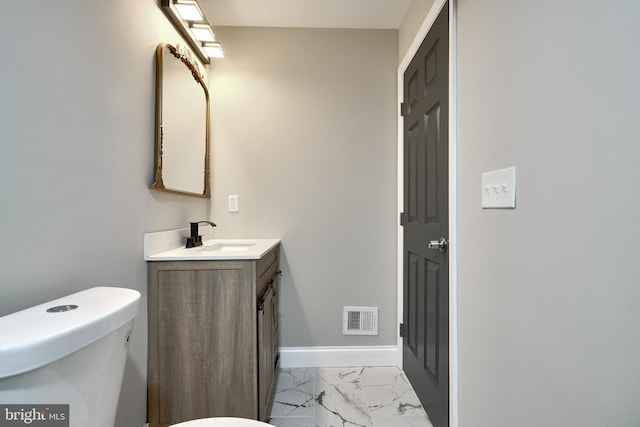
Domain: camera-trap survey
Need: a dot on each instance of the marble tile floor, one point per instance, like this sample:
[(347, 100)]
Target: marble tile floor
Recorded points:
[(346, 397)]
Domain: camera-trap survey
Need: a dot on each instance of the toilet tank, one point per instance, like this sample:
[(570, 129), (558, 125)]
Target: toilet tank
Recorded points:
[(69, 351)]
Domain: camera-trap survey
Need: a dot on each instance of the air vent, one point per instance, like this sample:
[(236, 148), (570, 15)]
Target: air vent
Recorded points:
[(360, 321)]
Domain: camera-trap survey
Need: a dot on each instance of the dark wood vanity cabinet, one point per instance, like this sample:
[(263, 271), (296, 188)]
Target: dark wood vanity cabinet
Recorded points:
[(213, 338)]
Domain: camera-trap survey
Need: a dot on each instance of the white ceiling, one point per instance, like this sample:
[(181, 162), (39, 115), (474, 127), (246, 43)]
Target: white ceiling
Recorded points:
[(383, 14)]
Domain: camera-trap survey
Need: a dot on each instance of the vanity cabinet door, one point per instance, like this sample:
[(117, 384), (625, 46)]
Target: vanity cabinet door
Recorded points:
[(265, 351), (275, 340), (202, 354), (268, 344)]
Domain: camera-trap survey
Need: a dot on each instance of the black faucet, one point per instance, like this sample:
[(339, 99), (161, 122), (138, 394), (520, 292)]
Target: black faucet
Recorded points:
[(195, 239)]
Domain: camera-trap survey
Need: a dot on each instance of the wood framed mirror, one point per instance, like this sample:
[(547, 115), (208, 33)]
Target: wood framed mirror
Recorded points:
[(182, 124)]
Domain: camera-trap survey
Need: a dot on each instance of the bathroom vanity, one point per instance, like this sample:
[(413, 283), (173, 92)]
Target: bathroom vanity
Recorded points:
[(213, 330)]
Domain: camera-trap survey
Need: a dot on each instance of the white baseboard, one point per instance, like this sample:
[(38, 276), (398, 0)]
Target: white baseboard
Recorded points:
[(337, 357)]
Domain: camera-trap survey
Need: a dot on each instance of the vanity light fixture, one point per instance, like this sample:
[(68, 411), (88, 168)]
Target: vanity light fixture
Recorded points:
[(192, 24), (213, 49)]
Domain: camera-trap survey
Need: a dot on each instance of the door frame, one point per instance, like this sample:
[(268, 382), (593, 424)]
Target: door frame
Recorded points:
[(453, 229)]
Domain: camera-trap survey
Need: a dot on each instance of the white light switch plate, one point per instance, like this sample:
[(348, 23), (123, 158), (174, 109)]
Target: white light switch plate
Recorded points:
[(499, 188)]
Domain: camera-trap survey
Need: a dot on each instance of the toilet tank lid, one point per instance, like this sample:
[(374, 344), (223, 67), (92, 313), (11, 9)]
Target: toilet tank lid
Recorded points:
[(35, 337)]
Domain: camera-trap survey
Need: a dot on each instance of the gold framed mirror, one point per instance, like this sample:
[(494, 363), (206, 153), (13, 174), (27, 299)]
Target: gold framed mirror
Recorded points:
[(182, 124)]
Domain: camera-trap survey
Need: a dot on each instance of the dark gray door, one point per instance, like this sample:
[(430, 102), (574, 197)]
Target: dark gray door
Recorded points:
[(425, 219)]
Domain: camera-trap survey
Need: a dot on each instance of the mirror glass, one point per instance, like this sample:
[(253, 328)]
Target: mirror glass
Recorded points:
[(182, 124)]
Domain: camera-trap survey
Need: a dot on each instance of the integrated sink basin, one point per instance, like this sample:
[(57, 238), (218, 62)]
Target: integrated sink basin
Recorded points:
[(169, 246), (226, 247)]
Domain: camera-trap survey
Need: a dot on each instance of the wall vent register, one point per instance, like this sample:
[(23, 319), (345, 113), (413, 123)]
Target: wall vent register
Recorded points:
[(360, 321)]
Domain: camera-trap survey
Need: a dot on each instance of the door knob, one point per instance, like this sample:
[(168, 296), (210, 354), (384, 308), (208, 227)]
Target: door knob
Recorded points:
[(441, 245)]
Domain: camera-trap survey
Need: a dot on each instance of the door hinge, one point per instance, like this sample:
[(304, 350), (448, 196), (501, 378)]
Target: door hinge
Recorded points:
[(404, 109), (403, 219), (401, 330)]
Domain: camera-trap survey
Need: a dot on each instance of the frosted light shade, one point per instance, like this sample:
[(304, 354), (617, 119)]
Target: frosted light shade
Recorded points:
[(213, 50), (203, 32), (189, 10)]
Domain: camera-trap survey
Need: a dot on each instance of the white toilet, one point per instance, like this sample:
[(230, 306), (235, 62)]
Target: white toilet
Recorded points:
[(72, 351), (68, 351)]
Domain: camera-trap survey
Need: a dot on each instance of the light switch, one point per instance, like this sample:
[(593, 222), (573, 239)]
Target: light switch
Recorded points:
[(499, 188)]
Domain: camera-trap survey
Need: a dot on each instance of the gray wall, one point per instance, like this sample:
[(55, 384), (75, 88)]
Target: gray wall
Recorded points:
[(304, 131), (76, 158), (548, 292)]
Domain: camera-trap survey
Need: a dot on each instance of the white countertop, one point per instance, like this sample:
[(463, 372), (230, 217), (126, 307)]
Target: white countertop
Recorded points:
[(169, 246)]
